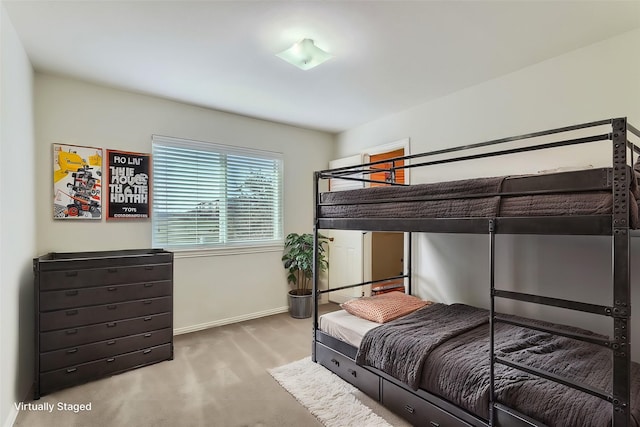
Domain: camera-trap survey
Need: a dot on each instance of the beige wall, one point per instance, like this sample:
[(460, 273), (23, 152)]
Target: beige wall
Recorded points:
[(592, 83), (17, 221), (209, 290)]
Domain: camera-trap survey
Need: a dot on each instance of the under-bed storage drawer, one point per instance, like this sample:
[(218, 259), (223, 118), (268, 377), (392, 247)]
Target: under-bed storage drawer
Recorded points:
[(347, 369), (415, 409)]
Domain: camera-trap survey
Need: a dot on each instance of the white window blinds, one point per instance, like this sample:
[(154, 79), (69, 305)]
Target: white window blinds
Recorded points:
[(208, 196)]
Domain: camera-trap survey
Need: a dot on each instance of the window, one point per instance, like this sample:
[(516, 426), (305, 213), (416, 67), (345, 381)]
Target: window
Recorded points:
[(208, 196)]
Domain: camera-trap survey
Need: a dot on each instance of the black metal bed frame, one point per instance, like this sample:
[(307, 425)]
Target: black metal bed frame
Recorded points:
[(615, 225)]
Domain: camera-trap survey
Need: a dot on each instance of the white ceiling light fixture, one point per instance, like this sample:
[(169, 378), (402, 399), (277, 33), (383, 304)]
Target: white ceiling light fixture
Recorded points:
[(304, 55)]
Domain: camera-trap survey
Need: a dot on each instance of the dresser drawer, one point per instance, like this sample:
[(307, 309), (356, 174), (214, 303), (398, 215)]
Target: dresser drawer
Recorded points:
[(102, 313), (82, 278), (56, 300), (347, 369), (70, 337), (416, 410), (81, 373), (85, 353)]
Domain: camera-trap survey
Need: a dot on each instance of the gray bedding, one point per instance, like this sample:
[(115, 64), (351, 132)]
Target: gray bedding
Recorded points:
[(456, 368), (445, 207), (452, 201), (382, 347)]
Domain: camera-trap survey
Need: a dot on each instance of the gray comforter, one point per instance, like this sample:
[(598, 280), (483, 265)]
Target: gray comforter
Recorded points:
[(401, 340), (451, 200), (457, 365)]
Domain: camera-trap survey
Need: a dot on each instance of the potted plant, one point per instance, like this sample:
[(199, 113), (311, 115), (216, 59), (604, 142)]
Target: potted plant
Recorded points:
[(298, 261)]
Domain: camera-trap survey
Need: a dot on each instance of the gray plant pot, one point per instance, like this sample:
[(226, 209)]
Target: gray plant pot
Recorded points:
[(300, 305)]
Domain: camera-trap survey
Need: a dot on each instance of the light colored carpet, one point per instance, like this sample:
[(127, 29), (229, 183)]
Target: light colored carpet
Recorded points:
[(326, 395), (218, 378)]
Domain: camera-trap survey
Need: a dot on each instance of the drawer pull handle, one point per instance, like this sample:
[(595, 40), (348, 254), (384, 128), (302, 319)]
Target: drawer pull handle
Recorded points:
[(148, 267), (409, 409), (110, 360), (147, 351), (112, 307), (112, 289), (71, 312), (146, 319), (352, 372), (335, 362), (148, 285), (71, 370), (147, 302), (71, 293), (112, 270), (71, 331), (111, 325), (70, 273), (112, 342), (434, 424), (72, 350), (147, 335)]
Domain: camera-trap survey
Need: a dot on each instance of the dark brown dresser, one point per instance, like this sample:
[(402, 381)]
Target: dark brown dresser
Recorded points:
[(100, 313)]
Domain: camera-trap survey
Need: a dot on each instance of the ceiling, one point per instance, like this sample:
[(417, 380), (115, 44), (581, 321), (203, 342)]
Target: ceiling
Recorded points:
[(388, 55)]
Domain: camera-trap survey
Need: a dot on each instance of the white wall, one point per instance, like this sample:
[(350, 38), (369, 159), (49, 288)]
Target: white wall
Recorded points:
[(596, 82), (17, 221), (208, 290)]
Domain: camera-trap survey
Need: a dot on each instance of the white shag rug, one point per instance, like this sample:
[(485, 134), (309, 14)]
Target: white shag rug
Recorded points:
[(325, 395)]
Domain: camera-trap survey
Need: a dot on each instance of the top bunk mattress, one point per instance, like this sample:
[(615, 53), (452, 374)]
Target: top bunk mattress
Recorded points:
[(576, 193)]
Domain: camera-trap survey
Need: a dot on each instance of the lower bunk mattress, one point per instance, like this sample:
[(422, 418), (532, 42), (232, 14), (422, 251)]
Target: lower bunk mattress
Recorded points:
[(444, 349)]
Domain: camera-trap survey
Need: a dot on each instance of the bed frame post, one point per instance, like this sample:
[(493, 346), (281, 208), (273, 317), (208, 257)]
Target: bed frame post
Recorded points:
[(492, 283), (621, 277), (316, 293), (409, 266)]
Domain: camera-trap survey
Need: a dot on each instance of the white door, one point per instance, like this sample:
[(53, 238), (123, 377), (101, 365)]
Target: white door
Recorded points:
[(345, 264), (345, 246), (350, 252)]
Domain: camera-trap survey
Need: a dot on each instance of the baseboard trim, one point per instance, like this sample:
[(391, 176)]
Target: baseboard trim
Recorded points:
[(11, 418), (13, 412), (229, 320)]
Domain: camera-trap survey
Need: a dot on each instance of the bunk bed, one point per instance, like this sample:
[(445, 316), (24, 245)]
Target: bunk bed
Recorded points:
[(474, 372)]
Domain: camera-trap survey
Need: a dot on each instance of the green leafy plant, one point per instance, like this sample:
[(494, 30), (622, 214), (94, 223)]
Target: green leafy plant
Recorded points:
[(298, 260)]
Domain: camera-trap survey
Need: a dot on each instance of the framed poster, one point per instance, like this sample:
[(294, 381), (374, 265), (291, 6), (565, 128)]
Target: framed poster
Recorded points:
[(128, 184), (77, 183)]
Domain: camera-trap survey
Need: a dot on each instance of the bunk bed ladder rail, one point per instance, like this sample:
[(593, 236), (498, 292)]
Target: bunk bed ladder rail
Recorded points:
[(315, 291), (620, 311), (492, 353)]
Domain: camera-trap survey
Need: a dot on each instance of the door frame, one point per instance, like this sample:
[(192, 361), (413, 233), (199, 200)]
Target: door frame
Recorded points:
[(365, 154), (403, 144)]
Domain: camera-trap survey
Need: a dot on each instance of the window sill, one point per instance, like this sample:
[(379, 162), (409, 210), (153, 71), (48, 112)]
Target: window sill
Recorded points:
[(240, 250)]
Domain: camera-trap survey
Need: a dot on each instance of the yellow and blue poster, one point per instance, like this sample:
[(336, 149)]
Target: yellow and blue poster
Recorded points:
[(77, 183)]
